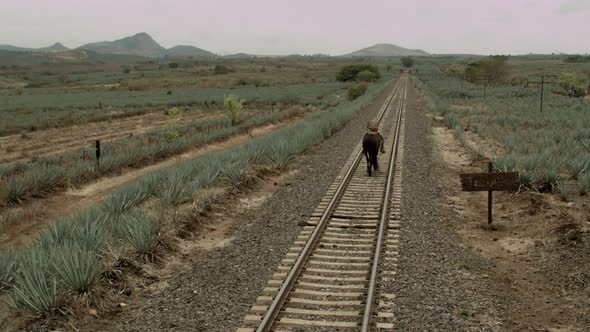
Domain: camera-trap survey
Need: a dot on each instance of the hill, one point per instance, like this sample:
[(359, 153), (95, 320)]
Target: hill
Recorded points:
[(240, 56), (57, 47), (185, 50), (72, 56), (140, 44), (53, 48), (387, 50)]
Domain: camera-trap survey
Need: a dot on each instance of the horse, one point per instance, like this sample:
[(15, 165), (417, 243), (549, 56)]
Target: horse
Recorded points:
[(371, 144)]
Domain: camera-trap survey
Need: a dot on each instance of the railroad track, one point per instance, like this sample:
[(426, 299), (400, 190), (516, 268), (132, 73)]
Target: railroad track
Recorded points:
[(334, 276)]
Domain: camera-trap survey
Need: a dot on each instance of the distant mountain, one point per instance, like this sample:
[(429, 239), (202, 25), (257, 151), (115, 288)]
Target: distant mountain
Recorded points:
[(184, 50), (57, 47), (53, 48), (74, 56), (139, 44), (240, 56), (387, 50), (13, 48)]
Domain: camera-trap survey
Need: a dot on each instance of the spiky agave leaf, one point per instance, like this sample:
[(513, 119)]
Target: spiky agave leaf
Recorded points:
[(35, 286), (78, 267), (138, 230), (8, 264)]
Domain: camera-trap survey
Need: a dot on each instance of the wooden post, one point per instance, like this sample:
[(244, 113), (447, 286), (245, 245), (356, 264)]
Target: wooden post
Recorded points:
[(490, 170), (542, 90), (97, 144), (485, 84)]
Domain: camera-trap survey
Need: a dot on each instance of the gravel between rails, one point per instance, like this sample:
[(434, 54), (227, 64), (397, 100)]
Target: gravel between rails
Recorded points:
[(224, 283), (440, 284)]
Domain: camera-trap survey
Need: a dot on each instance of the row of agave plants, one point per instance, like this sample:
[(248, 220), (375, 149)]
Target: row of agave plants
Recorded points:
[(550, 150), (72, 256), (23, 180)]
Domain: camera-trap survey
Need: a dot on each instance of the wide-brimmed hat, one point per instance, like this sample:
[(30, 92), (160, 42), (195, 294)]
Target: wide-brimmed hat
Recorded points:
[(373, 125)]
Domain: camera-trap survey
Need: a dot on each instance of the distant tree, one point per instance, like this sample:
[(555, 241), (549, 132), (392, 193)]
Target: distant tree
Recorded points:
[(366, 76), (407, 61), (574, 85), (350, 72), (494, 68), (221, 69), (577, 58), (357, 90), (233, 107)]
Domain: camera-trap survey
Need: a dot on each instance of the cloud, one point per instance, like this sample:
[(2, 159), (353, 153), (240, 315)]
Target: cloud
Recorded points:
[(574, 6)]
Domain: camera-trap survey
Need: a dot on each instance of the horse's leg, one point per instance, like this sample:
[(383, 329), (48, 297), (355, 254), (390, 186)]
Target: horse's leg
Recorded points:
[(375, 163), (368, 158)]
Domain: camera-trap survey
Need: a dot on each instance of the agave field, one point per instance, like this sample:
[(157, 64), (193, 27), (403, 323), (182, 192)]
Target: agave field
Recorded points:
[(550, 149), (74, 255)]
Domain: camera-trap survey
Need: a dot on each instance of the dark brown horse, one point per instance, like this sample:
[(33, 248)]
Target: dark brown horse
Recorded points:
[(371, 144)]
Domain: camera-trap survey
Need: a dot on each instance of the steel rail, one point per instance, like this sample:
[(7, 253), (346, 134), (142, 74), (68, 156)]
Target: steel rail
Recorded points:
[(277, 303), (384, 220)]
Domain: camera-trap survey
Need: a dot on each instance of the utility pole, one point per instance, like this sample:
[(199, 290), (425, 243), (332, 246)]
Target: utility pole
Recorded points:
[(542, 87)]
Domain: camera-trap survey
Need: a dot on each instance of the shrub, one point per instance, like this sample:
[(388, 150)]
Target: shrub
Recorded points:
[(584, 184), (138, 230), (563, 191), (7, 267), (173, 65), (366, 76), (221, 69), (574, 86), (233, 172), (35, 285), (356, 91), (280, 154), (77, 267), (407, 61), (494, 68), (233, 107), (577, 166), (350, 72)]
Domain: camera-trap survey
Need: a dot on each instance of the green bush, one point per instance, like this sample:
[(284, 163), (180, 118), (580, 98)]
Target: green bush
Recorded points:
[(366, 76), (233, 107), (7, 267), (350, 72), (407, 61), (36, 288), (356, 91), (77, 267), (173, 65), (221, 69), (574, 86), (138, 230)]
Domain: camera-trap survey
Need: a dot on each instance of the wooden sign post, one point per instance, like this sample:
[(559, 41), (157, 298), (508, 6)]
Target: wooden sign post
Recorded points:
[(501, 181), (97, 145)]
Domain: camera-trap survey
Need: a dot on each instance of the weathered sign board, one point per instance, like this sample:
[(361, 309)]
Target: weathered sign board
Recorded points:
[(505, 181), (501, 181)]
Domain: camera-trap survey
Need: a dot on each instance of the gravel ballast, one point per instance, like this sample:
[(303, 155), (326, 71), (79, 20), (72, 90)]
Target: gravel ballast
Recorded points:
[(221, 285)]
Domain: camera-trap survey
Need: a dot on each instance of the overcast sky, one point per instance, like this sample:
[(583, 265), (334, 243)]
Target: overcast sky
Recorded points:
[(307, 26)]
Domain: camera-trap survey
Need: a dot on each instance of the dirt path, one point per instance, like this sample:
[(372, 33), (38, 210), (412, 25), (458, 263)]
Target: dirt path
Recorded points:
[(71, 202), (58, 140)]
